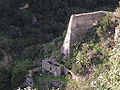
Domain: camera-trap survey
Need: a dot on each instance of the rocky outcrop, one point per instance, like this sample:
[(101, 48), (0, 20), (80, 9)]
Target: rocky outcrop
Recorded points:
[(7, 60), (52, 85), (79, 25), (56, 84), (24, 7), (117, 33), (29, 81), (116, 20), (29, 77)]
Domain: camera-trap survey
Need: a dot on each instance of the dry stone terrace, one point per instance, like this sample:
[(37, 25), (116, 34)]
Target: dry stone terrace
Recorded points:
[(78, 26)]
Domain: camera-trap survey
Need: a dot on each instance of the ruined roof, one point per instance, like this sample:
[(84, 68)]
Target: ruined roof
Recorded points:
[(78, 26)]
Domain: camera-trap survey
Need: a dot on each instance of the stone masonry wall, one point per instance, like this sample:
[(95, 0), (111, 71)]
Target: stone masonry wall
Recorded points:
[(78, 26)]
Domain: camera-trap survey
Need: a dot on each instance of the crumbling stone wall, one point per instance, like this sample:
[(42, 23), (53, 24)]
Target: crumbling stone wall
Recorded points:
[(55, 68), (51, 66), (78, 26)]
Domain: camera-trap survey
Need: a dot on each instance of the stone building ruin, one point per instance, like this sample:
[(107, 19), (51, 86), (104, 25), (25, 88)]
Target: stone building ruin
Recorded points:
[(78, 26), (52, 66)]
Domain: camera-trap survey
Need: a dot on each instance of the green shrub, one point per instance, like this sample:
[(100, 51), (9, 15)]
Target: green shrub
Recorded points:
[(20, 70), (107, 75), (104, 26), (87, 55), (5, 82)]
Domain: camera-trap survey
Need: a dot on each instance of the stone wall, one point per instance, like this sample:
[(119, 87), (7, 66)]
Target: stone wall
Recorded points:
[(51, 66), (78, 26)]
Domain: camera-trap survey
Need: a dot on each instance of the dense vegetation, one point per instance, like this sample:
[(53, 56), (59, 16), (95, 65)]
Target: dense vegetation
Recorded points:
[(37, 32)]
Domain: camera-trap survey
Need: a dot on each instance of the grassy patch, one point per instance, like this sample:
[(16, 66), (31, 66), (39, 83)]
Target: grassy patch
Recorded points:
[(51, 78)]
